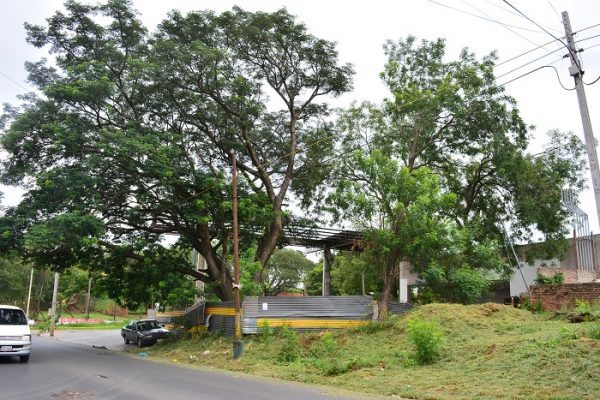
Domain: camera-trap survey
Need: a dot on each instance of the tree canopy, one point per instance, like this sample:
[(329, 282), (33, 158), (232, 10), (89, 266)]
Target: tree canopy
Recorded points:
[(135, 132), (433, 172)]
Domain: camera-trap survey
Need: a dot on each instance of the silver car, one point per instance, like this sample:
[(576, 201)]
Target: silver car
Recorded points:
[(143, 332)]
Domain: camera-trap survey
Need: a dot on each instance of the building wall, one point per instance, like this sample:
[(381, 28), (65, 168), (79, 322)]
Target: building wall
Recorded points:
[(556, 297)]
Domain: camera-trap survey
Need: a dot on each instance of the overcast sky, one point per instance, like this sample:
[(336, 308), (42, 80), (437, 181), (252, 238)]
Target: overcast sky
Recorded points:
[(361, 27)]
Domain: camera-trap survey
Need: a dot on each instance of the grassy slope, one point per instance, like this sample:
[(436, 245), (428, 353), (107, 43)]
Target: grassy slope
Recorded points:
[(490, 352)]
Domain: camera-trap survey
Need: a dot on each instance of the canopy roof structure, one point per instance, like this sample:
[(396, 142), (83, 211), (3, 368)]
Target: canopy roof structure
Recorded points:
[(319, 237)]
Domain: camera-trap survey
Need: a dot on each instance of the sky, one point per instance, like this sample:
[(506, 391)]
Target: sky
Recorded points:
[(360, 29)]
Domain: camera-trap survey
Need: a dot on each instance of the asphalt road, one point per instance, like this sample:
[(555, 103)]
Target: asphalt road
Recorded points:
[(65, 370)]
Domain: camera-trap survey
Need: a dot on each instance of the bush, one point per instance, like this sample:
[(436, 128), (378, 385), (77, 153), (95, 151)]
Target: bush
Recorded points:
[(426, 339), (290, 351), (535, 307), (556, 279), (265, 331)]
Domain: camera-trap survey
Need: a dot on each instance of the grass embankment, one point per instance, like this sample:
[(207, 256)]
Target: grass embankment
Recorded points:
[(489, 352)]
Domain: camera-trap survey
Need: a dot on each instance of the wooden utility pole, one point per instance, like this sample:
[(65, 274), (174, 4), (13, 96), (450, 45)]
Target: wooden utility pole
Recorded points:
[(590, 143), (238, 344)]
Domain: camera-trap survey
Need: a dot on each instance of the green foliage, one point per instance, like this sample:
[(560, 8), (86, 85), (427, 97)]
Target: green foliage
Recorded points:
[(533, 306), (594, 332), (133, 135), (265, 331), (556, 279), (290, 348), (426, 339), (14, 279), (468, 285), (285, 270)]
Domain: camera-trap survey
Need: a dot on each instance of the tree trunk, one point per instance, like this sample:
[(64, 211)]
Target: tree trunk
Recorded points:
[(391, 266), (269, 243)]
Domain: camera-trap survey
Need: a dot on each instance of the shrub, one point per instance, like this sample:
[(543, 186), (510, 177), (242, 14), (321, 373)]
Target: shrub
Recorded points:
[(290, 350), (265, 331), (535, 307), (426, 339), (556, 279)]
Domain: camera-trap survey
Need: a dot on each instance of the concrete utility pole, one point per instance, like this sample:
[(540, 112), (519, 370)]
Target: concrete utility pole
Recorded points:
[(238, 344), (327, 260), (590, 143), (53, 309), (29, 294), (88, 297)]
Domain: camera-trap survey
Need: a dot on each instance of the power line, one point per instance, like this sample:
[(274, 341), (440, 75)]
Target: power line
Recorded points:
[(535, 70), (554, 9), (542, 28), (480, 17), (585, 29), (540, 46), (530, 62), (588, 38), (15, 82), (591, 83), (525, 53), (505, 26)]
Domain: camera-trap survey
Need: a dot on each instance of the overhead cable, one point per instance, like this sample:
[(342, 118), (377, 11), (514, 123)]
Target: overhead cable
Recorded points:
[(530, 62), (542, 28), (481, 17), (535, 70)]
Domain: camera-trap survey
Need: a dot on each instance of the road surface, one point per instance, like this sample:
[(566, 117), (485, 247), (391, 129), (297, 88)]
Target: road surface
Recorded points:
[(63, 370)]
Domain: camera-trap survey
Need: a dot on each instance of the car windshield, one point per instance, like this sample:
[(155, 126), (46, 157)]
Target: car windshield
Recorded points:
[(147, 325), (10, 316)]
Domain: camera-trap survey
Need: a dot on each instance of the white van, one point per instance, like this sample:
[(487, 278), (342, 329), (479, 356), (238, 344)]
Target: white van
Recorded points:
[(15, 335)]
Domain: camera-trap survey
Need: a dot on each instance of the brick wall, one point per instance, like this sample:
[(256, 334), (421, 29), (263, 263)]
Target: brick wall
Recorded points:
[(555, 297)]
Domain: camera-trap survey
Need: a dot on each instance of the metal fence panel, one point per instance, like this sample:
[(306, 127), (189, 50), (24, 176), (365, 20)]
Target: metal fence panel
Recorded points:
[(306, 313)]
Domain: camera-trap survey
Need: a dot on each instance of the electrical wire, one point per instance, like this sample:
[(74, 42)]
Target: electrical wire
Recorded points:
[(530, 62), (587, 38), (15, 82), (554, 9), (585, 29), (525, 53), (573, 56), (591, 83), (535, 70), (545, 44), (505, 26), (480, 17)]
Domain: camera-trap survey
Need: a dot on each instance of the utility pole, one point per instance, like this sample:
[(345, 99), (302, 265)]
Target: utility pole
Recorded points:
[(53, 309), (238, 344), (29, 294), (590, 143), (87, 298)]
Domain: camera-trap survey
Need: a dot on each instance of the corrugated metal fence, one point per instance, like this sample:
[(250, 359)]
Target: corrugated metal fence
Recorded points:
[(299, 313)]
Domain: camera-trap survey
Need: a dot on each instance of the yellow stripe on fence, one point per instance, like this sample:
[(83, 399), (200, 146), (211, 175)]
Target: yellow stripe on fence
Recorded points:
[(311, 323), (219, 311)]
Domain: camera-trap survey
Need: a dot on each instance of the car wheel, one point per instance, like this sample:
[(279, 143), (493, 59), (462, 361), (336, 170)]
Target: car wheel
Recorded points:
[(125, 340), (24, 359), (139, 342)]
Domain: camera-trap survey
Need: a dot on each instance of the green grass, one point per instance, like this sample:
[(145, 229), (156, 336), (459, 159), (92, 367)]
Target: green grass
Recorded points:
[(488, 352), (42, 323)]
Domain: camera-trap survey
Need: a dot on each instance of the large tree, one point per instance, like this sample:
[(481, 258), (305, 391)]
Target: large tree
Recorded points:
[(451, 119), (135, 133)]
